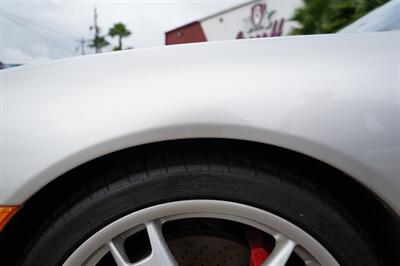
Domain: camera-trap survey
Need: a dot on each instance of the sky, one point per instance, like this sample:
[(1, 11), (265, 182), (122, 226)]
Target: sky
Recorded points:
[(34, 31)]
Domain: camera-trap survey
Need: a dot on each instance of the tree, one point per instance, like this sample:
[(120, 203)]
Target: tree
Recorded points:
[(119, 30), (98, 42), (328, 16)]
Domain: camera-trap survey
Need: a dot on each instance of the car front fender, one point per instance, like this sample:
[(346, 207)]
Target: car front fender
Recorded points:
[(332, 97)]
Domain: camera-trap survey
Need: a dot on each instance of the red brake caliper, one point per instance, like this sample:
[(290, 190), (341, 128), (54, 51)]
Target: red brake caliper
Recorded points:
[(259, 250)]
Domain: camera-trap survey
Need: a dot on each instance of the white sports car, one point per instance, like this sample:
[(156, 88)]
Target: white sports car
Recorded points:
[(277, 151)]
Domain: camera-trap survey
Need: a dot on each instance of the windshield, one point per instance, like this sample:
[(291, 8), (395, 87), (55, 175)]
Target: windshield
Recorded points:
[(384, 18)]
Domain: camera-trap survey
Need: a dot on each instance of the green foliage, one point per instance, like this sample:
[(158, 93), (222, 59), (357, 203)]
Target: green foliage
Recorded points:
[(327, 16), (98, 43), (119, 30)]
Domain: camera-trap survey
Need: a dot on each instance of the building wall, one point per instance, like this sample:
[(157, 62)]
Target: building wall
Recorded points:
[(263, 18), (239, 23), (187, 34)]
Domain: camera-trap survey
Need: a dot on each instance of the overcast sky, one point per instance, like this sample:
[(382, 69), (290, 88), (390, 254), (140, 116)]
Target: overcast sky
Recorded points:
[(38, 30)]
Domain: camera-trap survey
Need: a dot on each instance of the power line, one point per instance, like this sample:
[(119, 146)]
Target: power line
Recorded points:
[(38, 24), (29, 28)]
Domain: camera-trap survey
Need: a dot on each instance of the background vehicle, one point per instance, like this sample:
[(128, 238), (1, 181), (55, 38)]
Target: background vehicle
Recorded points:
[(206, 154)]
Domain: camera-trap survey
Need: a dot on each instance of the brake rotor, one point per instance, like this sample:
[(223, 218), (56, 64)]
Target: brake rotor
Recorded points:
[(208, 251)]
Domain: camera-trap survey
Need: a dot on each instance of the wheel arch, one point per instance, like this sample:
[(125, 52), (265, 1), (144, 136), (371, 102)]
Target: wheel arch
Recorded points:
[(354, 196)]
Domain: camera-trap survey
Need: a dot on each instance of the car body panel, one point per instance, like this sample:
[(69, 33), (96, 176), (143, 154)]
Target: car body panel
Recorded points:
[(383, 18), (334, 97)]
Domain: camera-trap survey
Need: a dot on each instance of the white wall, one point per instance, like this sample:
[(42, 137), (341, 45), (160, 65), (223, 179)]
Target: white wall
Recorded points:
[(227, 26)]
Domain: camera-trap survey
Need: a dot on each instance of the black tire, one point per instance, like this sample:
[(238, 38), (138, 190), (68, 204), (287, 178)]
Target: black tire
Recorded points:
[(129, 183)]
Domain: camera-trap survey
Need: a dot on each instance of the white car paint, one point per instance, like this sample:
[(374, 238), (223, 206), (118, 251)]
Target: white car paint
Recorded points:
[(333, 97)]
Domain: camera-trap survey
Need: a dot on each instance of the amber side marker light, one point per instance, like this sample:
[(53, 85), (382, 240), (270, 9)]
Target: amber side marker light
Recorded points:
[(6, 212)]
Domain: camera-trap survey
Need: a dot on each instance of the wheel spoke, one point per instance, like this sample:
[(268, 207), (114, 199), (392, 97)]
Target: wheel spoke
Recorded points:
[(308, 259), (118, 253), (160, 253), (311, 263), (283, 249)]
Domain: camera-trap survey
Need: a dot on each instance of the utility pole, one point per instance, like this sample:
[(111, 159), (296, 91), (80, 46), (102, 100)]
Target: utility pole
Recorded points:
[(98, 41), (96, 29), (82, 43)]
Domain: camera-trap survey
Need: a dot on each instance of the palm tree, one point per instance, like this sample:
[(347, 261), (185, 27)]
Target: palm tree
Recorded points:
[(120, 30), (327, 16), (311, 17), (98, 43)]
